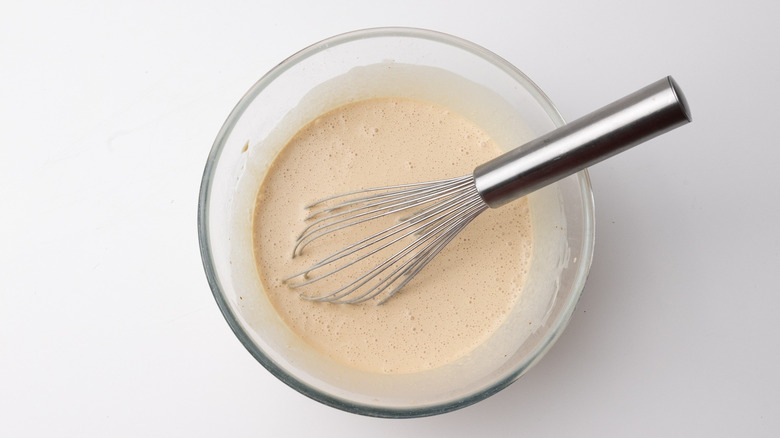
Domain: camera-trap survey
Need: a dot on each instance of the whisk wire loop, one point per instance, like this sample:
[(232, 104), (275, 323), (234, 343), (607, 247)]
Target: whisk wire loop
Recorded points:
[(442, 209)]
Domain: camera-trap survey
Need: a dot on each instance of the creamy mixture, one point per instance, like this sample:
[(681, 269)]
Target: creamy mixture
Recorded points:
[(457, 301)]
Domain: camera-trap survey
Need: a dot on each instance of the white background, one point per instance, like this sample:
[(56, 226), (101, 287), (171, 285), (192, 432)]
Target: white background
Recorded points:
[(108, 110)]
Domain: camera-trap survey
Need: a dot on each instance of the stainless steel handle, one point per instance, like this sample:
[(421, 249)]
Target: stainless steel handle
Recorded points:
[(638, 117)]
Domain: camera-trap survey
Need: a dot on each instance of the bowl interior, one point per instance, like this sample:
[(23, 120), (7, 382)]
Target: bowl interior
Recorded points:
[(427, 66)]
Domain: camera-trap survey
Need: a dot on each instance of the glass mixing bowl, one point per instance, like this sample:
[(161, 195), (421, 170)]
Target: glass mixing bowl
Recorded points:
[(400, 62)]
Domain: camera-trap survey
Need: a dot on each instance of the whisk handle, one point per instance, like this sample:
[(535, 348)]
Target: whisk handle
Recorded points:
[(636, 118)]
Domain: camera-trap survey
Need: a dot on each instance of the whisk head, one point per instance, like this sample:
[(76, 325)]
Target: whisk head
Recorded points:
[(391, 234)]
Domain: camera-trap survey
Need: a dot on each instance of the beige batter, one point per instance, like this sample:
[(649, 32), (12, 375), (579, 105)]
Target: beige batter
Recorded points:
[(457, 301)]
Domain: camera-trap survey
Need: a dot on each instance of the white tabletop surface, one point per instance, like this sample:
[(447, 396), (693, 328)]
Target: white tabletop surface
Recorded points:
[(108, 110)]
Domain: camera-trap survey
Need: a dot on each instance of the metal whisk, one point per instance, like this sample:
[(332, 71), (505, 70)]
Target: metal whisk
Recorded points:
[(435, 212)]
